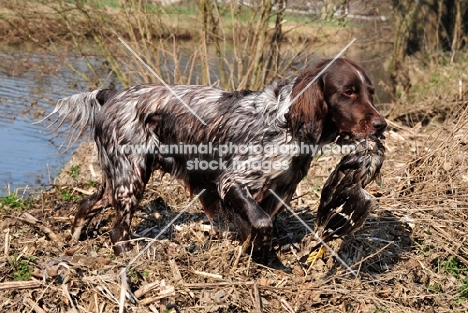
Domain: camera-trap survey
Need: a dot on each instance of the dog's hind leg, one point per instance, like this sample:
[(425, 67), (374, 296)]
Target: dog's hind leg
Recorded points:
[(129, 182), (89, 207)]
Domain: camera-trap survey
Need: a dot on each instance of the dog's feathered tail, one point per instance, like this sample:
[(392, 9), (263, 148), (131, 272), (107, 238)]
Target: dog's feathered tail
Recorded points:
[(80, 110)]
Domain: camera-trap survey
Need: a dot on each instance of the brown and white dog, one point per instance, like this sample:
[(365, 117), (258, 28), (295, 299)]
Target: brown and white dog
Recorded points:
[(339, 102)]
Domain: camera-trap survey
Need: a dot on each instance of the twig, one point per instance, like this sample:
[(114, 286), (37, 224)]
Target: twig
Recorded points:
[(286, 306), (257, 299), (83, 191), (209, 275), (242, 250), (106, 293), (374, 254), (169, 291), (239, 253), (164, 292), (175, 270), (215, 285), (34, 306), (123, 290), (446, 236), (146, 288), (32, 221), (7, 243), (67, 295), (164, 229), (96, 302), (29, 284)]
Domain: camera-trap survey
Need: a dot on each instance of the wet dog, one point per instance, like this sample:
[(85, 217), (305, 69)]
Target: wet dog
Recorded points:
[(131, 126)]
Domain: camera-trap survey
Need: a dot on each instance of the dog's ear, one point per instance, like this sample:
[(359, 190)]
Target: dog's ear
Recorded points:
[(309, 109)]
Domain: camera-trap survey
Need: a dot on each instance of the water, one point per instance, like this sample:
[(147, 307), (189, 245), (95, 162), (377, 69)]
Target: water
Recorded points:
[(30, 85)]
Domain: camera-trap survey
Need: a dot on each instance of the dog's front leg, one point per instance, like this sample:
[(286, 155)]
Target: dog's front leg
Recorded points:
[(249, 218)]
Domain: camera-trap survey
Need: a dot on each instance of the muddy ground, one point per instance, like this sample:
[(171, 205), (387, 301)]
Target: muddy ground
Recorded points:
[(410, 256)]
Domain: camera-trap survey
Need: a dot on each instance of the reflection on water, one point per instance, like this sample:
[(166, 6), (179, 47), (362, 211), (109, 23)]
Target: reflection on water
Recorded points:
[(30, 86)]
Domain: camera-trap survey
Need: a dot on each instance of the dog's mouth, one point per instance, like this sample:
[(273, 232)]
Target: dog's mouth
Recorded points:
[(345, 137), (349, 138)]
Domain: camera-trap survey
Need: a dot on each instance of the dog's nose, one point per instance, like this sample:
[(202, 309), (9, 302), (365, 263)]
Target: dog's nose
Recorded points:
[(379, 124)]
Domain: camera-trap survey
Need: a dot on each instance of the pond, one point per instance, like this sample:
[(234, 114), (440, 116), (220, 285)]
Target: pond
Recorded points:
[(31, 83)]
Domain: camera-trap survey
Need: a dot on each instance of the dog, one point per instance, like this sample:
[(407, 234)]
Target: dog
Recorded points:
[(330, 100)]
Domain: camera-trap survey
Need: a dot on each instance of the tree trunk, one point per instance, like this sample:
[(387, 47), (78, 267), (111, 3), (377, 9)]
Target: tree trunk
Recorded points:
[(275, 46), (404, 13)]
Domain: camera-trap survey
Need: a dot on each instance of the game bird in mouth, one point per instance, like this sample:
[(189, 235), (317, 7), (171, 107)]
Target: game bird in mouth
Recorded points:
[(344, 204)]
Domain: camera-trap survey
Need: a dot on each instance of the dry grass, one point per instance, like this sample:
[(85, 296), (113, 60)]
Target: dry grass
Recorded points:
[(410, 256), (438, 93)]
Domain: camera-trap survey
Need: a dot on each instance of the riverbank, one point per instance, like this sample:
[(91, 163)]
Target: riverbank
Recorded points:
[(233, 47), (46, 22)]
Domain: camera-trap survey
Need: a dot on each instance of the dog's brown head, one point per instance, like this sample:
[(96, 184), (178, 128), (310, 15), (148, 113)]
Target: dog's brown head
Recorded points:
[(339, 101)]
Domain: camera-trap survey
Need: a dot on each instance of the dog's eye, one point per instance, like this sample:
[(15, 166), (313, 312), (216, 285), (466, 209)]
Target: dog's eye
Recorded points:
[(349, 92)]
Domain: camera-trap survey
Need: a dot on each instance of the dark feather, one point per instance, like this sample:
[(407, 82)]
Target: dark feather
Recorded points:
[(344, 204)]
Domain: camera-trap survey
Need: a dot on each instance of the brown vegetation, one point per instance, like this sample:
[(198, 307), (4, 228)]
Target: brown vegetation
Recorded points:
[(248, 42)]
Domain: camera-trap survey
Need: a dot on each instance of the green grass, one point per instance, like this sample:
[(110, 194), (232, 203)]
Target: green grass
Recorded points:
[(463, 289), (12, 201), (148, 6), (91, 183), (137, 275), (74, 171), (454, 267), (103, 3), (435, 288), (67, 195), (133, 274), (181, 9), (21, 268)]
